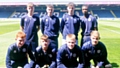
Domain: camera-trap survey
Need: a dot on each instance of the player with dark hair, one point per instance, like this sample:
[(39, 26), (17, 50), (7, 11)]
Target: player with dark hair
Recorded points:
[(30, 24), (69, 53), (96, 50), (50, 26), (17, 53), (45, 55), (70, 23), (88, 23)]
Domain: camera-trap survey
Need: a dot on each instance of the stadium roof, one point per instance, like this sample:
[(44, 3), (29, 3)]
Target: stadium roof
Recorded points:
[(41, 2)]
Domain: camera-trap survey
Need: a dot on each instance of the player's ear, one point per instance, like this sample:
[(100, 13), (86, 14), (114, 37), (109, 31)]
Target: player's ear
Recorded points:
[(48, 40)]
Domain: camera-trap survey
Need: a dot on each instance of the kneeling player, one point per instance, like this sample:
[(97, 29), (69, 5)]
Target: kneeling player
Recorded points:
[(45, 54), (68, 54), (17, 53), (95, 50)]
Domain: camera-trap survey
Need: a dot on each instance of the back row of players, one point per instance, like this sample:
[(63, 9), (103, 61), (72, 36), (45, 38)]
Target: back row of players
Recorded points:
[(45, 55)]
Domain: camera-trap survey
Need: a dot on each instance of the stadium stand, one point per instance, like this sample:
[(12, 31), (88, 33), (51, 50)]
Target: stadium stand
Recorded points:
[(117, 13), (102, 11)]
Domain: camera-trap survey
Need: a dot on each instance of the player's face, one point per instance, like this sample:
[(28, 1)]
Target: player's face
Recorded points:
[(94, 39), (85, 10), (30, 9), (70, 9), (20, 41), (44, 43), (70, 43), (49, 10)]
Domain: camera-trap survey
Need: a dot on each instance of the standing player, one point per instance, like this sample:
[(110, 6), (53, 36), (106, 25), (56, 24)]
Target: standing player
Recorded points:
[(30, 24), (96, 50), (50, 26), (17, 53), (70, 23), (88, 24), (45, 55), (69, 53)]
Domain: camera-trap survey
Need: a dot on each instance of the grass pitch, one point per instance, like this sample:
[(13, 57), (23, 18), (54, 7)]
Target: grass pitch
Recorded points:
[(109, 33)]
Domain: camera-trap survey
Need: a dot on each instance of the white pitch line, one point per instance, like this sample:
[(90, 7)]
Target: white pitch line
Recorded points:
[(2, 24), (112, 30), (9, 33)]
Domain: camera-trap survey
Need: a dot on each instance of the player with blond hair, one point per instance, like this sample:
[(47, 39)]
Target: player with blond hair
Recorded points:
[(96, 50)]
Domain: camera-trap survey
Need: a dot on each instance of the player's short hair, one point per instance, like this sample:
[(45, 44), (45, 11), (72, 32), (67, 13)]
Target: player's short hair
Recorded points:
[(85, 6), (44, 37), (30, 4), (96, 33), (50, 6), (71, 36), (20, 34), (70, 4)]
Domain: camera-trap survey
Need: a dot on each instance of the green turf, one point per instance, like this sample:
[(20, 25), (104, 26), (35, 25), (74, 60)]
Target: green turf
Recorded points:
[(109, 32), (8, 28)]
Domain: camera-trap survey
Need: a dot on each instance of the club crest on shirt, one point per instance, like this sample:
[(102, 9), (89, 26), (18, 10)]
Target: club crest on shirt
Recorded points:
[(41, 54), (46, 20), (89, 51), (24, 49), (14, 51), (67, 19), (25, 19), (50, 55), (66, 55), (34, 19), (75, 20), (98, 51), (74, 55), (89, 19), (38, 54)]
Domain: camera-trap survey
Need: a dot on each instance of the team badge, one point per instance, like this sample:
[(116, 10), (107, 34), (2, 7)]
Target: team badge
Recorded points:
[(74, 55), (41, 54), (50, 55), (25, 19), (89, 51), (75, 20), (98, 51), (66, 55), (34, 19), (46, 20), (15, 51), (24, 49), (67, 18), (89, 19), (38, 54)]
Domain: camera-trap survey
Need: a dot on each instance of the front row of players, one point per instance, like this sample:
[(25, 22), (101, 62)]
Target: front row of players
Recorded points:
[(68, 55)]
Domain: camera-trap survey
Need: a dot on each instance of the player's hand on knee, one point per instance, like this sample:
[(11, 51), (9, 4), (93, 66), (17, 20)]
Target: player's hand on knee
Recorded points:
[(46, 66)]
